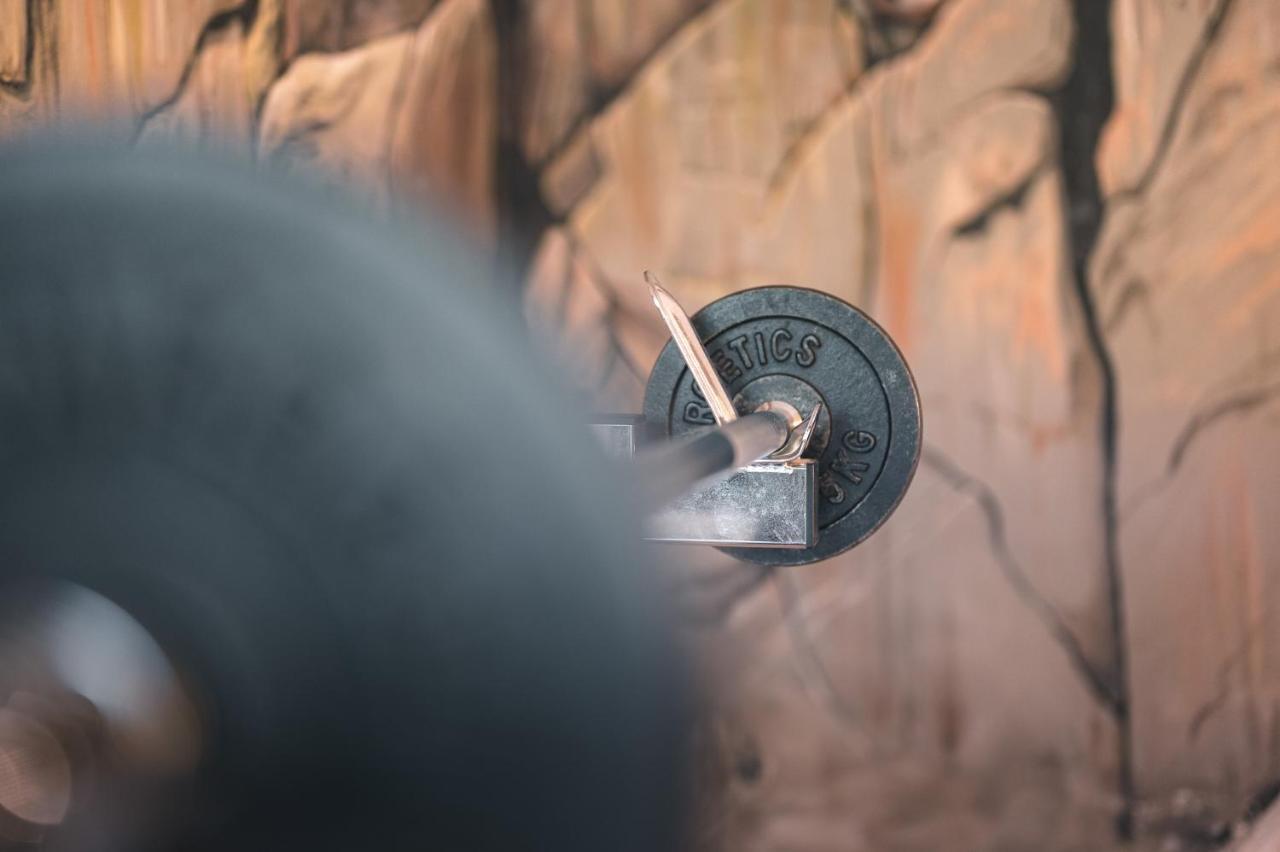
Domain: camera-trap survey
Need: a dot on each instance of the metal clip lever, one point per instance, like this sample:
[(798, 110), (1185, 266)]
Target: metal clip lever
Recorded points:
[(741, 483), (695, 356)]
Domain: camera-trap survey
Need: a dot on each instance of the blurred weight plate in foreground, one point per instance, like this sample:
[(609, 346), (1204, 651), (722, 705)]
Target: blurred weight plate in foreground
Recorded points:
[(312, 459)]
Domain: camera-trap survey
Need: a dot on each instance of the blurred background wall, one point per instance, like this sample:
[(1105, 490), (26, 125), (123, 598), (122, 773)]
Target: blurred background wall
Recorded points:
[(1067, 214)]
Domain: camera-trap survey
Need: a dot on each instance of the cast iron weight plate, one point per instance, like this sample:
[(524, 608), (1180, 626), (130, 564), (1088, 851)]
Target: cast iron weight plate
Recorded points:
[(802, 346)]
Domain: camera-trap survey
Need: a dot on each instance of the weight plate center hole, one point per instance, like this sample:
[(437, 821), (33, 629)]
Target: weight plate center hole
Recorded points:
[(792, 396)]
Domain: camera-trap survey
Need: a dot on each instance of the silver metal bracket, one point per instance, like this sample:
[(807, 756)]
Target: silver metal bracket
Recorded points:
[(769, 504)]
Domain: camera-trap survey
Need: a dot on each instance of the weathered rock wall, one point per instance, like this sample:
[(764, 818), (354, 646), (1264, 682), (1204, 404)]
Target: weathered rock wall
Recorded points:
[(1070, 617), (1186, 278)]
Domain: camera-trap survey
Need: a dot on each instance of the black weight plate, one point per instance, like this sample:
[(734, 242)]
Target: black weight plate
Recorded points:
[(315, 457), (802, 346)]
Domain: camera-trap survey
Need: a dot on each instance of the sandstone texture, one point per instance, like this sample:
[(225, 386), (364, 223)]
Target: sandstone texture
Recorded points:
[(411, 114), (967, 631), (573, 53), (13, 42), (1187, 283), (333, 25), (121, 58), (1067, 633), (213, 107)]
